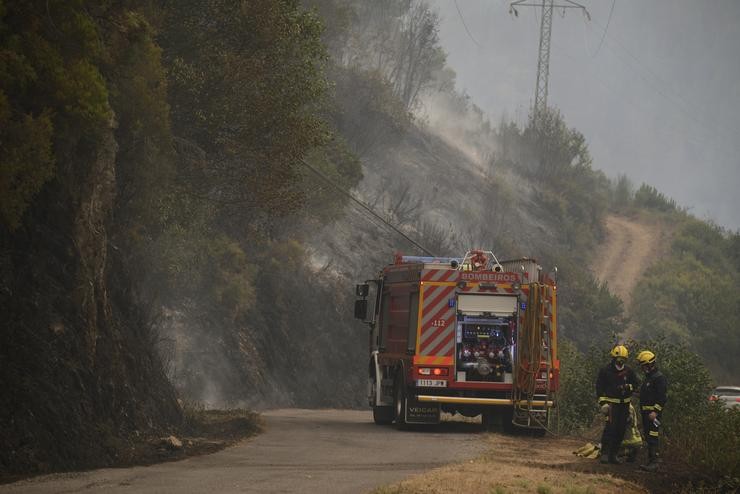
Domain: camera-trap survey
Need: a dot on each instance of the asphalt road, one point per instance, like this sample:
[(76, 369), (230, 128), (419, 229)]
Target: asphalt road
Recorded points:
[(306, 451)]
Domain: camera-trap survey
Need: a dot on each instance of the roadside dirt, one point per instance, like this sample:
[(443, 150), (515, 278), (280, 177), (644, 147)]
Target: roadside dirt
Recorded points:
[(204, 432), (516, 464), (631, 246)]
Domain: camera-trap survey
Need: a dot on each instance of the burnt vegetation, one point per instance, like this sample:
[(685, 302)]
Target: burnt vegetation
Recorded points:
[(161, 236)]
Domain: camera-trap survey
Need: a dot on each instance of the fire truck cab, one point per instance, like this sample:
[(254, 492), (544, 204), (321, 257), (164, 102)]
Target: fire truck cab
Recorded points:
[(470, 335)]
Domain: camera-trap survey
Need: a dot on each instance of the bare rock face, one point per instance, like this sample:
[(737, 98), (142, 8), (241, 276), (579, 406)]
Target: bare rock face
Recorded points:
[(96, 193), (79, 375)]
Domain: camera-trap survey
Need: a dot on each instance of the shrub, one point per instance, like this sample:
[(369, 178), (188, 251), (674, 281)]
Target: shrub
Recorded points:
[(648, 197), (708, 437), (696, 432), (576, 397)]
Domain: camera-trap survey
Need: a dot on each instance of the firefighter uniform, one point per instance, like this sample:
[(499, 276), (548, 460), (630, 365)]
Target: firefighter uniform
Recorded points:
[(652, 399), (615, 387)]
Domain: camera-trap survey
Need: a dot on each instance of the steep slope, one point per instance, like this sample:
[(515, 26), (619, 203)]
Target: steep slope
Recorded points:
[(461, 197)]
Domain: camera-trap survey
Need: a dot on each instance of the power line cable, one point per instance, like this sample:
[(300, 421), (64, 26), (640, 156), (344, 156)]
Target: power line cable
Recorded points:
[(665, 130), (603, 36), (657, 84), (466, 26), (364, 206)]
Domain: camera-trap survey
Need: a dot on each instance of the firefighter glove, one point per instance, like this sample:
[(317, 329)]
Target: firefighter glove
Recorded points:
[(605, 409), (625, 388)]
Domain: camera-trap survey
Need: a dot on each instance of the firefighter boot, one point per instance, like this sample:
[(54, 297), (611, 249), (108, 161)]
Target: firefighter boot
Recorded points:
[(613, 459), (631, 455), (652, 464)]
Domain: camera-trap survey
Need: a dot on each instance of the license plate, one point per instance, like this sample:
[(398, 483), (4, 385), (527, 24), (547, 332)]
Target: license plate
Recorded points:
[(431, 383)]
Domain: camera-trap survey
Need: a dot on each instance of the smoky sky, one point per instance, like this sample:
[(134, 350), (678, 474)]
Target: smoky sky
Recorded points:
[(653, 85)]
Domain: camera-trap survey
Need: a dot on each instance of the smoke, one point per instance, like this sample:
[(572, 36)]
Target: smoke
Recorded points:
[(460, 124), (193, 359)]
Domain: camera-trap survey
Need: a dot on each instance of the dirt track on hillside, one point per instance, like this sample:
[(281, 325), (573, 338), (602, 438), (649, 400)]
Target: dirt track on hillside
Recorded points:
[(631, 246)]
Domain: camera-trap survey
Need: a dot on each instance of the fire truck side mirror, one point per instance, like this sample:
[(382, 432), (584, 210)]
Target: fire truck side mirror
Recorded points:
[(362, 290), (361, 309)]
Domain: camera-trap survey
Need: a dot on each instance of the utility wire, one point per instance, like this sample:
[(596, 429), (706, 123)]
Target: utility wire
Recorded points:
[(364, 206), (466, 26), (665, 130), (608, 20), (657, 83)]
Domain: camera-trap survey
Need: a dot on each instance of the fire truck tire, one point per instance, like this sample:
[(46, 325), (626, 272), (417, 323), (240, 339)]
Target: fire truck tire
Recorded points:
[(506, 422), (489, 420), (538, 432), (383, 415), (399, 404)]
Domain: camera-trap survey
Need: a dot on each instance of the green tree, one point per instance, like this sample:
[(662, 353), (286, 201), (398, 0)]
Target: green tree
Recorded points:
[(691, 296), (52, 95), (622, 193), (648, 197), (245, 83)]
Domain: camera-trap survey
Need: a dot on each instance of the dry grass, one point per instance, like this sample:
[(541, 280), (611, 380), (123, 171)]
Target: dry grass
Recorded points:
[(519, 465)]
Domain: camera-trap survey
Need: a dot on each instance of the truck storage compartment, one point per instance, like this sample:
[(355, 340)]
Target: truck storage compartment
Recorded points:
[(484, 348)]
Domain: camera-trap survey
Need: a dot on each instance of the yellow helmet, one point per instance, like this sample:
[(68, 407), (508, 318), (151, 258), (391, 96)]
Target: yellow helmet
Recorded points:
[(646, 357), (619, 351)]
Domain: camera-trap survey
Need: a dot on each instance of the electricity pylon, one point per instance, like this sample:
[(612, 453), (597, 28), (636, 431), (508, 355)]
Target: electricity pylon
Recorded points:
[(543, 60)]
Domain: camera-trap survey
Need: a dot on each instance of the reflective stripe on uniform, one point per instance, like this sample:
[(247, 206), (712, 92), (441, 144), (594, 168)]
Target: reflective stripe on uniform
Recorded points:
[(655, 407), (654, 433), (658, 407), (632, 441), (613, 400)]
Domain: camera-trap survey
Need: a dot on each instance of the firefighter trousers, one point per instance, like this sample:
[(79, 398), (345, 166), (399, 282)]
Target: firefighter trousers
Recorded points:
[(616, 424), (652, 431)]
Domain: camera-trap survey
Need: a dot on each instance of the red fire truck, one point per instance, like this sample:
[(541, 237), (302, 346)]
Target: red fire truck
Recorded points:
[(472, 335)]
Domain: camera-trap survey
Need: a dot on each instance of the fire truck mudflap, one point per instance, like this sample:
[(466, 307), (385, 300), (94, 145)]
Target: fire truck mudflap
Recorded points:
[(419, 412)]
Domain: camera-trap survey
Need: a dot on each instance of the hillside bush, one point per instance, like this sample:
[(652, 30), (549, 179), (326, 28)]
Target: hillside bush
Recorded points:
[(696, 432), (576, 397), (691, 295), (648, 197)]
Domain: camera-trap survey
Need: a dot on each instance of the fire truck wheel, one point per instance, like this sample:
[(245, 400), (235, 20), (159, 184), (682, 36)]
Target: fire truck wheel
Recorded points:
[(383, 415), (538, 432), (399, 404), (489, 421), (506, 422)]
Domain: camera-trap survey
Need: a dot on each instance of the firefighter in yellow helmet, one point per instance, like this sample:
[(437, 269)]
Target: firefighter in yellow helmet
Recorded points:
[(614, 387), (652, 400)]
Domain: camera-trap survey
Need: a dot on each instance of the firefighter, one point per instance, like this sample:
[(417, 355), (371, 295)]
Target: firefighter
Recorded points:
[(652, 401), (614, 387)]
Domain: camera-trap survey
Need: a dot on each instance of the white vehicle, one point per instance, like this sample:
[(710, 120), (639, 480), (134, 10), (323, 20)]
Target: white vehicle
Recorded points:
[(728, 395)]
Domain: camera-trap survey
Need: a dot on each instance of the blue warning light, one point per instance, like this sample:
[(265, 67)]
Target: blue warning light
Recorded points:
[(451, 302), (523, 305)]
